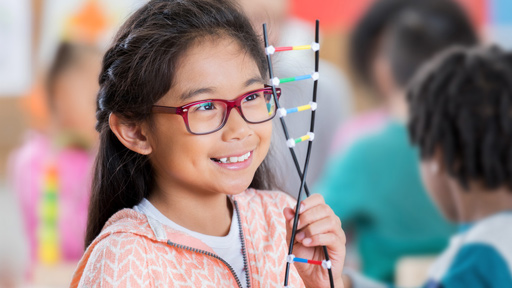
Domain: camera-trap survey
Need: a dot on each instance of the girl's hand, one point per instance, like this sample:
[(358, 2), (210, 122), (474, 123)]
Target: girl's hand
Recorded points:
[(318, 226)]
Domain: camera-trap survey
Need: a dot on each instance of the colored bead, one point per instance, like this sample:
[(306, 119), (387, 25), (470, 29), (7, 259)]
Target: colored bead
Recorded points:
[(301, 139), (285, 48), (300, 260), (291, 258), (303, 47), (283, 112), (270, 50), (276, 81)]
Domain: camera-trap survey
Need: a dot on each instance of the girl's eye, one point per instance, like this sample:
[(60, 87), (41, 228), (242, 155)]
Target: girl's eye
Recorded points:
[(252, 97), (206, 106)]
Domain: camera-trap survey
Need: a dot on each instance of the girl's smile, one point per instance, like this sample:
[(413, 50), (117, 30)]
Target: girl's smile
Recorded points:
[(232, 162)]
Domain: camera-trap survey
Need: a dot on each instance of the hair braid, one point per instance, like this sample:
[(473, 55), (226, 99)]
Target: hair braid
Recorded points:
[(461, 105)]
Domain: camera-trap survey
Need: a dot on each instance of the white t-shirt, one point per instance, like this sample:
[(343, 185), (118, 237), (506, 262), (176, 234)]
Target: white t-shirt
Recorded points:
[(228, 247)]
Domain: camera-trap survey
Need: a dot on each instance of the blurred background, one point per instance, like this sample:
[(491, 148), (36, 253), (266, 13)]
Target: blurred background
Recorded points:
[(50, 58)]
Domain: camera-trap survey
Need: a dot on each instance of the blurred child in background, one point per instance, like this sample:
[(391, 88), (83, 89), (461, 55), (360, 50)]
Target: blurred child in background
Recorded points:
[(460, 107), (364, 43), (375, 187), (461, 121), (50, 172)]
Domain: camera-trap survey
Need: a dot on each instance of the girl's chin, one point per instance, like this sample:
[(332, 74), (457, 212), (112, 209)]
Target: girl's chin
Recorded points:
[(236, 188)]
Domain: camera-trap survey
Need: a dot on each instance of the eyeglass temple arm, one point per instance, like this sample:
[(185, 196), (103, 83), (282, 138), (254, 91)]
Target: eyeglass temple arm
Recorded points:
[(164, 109)]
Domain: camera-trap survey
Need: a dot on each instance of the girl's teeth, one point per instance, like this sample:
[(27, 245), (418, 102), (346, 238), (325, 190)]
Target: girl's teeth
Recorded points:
[(235, 159)]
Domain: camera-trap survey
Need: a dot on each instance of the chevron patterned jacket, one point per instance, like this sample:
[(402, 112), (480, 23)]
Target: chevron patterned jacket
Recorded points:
[(134, 250)]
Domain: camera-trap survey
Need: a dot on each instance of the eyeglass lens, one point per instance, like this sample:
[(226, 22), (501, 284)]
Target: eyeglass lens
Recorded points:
[(209, 116)]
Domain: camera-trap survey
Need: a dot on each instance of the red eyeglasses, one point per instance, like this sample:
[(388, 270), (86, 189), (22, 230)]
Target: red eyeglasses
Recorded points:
[(207, 116)]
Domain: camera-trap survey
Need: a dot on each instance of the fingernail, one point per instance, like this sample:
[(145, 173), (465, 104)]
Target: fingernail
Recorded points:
[(300, 236), (302, 207), (307, 241)]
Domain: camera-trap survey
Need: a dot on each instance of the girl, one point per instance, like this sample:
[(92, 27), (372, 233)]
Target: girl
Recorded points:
[(183, 162)]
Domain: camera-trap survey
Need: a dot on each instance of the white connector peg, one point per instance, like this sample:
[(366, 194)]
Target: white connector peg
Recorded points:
[(326, 264), (290, 258), (313, 106), (282, 112), (276, 81), (311, 136), (270, 50), (290, 143), (315, 46), (315, 76)]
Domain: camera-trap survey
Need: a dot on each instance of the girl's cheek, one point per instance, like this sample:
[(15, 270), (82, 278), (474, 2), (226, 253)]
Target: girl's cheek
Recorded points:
[(267, 135)]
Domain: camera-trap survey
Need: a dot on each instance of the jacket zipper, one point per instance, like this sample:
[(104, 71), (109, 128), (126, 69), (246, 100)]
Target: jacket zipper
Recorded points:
[(244, 254), (246, 267)]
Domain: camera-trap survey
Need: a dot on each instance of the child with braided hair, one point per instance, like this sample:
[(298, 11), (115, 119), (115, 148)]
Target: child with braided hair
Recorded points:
[(460, 109), (460, 118)]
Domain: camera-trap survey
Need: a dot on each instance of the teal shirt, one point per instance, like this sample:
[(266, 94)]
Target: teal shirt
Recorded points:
[(376, 190), (478, 256)]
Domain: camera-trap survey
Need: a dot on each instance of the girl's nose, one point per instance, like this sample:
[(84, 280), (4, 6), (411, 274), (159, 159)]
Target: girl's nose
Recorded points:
[(236, 128)]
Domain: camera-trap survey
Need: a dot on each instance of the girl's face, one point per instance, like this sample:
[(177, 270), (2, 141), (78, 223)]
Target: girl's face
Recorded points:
[(75, 99), (209, 69)]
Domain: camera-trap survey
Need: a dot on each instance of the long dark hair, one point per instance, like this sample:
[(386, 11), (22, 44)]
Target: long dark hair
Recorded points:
[(137, 71)]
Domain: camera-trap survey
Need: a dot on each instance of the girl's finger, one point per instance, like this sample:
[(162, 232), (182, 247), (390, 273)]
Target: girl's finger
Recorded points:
[(330, 240), (314, 214), (310, 202), (325, 225), (289, 214)]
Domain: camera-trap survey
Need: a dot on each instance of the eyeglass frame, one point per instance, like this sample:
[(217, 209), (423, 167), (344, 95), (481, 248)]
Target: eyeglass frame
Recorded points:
[(230, 104)]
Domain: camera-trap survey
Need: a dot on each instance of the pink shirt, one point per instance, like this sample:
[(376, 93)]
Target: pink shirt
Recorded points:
[(27, 168), (357, 127)]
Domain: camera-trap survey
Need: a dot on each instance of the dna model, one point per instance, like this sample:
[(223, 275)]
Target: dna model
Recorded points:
[(291, 142)]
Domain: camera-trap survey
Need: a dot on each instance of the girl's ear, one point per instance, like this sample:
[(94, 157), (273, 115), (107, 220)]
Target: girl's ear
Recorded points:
[(132, 135)]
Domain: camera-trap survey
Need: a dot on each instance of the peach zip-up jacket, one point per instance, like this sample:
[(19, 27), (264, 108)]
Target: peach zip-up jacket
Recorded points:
[(134, 250)]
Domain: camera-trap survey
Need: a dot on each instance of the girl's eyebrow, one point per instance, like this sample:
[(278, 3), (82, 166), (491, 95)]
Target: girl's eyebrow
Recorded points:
[(254, 80), (208, 90), (189, 94)]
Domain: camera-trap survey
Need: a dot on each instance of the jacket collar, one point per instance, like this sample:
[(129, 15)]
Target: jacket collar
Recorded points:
[(131, 221)]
